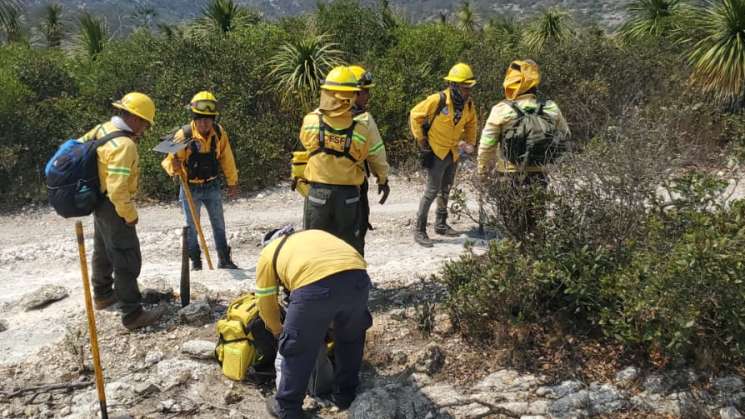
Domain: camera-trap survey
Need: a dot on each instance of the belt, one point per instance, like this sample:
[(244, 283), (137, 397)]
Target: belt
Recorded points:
[(201, 181)]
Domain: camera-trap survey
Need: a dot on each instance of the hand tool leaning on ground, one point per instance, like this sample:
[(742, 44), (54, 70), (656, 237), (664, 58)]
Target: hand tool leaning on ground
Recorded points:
[(168, 146), (91, 320), (185, 279)]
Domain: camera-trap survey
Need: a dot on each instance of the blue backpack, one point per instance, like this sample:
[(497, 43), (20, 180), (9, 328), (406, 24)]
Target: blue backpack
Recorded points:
[(73, 186)]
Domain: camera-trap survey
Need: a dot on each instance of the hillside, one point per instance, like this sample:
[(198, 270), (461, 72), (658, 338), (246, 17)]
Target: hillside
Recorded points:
[(606, 12)]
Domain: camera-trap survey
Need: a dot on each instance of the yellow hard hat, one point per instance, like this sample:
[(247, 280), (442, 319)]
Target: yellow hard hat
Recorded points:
[(461, 73), (521, 76), (341, 79), (363, 76), (137, 104), (204, 103)]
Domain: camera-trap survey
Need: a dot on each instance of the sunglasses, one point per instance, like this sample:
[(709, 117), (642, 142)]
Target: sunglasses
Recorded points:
[(204, 106)]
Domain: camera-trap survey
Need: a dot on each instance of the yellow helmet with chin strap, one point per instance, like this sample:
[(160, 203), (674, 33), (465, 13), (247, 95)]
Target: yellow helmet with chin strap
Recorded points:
[(340, 79), (521, 76), (204, 103), (364, 77), (138, 104), (461, 73)]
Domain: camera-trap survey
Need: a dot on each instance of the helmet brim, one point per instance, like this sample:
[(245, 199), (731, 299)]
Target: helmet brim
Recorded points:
[(119, 105)]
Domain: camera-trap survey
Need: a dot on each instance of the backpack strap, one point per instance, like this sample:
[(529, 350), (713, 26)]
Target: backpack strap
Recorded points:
[(520, 113), (541, 104), (348, 132), (110, 136), (276, 256), (441, 103)]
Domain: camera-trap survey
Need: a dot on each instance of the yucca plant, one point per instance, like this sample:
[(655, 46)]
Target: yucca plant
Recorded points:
[(225, 16), (467, 20), (718, 53), (553, 26), (93, 34), (652, 18), (11, 25), (298, 67), (52, 26)]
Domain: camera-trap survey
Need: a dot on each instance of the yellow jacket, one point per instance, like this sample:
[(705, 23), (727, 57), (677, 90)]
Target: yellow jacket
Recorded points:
[(306, 257), (443, 135), (376, 157), (118, 169), (224, 153), (327, 168), (491, 136)]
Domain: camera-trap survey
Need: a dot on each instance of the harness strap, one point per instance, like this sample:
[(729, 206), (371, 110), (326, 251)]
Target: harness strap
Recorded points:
[(348, 132)]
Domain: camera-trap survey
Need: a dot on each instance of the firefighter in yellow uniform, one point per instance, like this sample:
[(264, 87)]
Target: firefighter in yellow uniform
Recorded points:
[(520, 87), (337, 146), (117, 259), (209, 152), (443, 124), (328, 283), (376, 163)]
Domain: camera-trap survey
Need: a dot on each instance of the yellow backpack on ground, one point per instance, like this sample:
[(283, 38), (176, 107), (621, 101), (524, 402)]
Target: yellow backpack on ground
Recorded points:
[(235, 349), (299, 182)]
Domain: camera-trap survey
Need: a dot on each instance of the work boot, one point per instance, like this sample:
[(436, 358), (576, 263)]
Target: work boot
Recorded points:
[(272, 407), (420, 234), (142, 318), (196, 261), (224, 261), (102, 303), (441, 226)]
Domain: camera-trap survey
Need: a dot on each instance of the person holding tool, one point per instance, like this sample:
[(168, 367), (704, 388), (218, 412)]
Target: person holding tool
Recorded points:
[(117, 260), (207, 152)]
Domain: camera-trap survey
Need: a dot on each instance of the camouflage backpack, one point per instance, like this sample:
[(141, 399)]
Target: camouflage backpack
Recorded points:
[(531, 138)]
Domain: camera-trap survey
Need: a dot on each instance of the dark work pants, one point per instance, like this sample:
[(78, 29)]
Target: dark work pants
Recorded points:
[(340, 299), (335, 209), (116, 258), (440, 179)]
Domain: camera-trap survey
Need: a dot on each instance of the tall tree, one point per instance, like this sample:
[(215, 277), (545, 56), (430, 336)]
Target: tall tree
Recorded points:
[(553, 26), (298, 67), (718, 50), (51, 26), (94, 34)]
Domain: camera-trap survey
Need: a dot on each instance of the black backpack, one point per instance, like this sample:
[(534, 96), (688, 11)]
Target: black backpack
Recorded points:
[(531, 138), (73, 187)]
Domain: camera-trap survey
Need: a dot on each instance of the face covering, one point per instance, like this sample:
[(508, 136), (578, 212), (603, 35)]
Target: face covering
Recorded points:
[(458, 102)]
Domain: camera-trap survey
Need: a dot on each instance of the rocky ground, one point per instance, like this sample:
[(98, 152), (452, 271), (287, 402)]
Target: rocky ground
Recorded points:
[(168, 370)]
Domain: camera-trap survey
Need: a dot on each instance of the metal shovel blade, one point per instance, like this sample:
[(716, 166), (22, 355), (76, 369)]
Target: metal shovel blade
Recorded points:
[(168, 146)]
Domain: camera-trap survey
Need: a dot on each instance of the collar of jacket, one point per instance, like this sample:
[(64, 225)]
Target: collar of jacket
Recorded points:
[(196, 135), (119, 124)]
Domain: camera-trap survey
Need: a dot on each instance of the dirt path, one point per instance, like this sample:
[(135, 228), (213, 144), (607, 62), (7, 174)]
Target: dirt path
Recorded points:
[(39, 249)]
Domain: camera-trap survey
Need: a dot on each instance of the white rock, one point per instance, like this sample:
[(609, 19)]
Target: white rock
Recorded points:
[(627, 375), (199, 349), (729, 384), (153, 357), (729, 413), (43, 296)]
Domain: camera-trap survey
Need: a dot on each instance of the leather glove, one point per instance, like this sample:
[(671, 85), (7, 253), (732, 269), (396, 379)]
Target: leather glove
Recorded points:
[(385, 190)]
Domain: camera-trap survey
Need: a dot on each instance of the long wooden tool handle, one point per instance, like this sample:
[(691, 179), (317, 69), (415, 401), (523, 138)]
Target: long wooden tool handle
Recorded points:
[(185, 279), (194, 216), (91, 320)]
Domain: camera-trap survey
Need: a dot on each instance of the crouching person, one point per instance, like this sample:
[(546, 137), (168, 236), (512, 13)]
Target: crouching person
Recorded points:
[(328, 285)]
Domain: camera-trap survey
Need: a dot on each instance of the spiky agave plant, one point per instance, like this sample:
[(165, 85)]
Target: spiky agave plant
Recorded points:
[(93, 34), (225, 16), (298, 67), (11, 25), (718, 53), (551, 26), (652, 18)]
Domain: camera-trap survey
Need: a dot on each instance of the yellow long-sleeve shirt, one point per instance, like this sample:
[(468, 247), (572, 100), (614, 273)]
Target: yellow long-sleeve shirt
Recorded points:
[(491, 136), (444, 135), (306, 257), (376, 157), (118, 169), (329, 169), (223, 151)]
